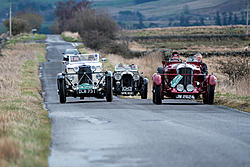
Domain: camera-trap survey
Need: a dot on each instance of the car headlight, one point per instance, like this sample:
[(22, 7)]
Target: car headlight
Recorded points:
[(93, 68), (98, 76), (99, 68), (136, 77), (190, 87), (117, 76), (180, 87), (71, 77), (76, 69)]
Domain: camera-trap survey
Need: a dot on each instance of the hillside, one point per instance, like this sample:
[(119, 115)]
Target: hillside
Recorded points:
[(146, 13)]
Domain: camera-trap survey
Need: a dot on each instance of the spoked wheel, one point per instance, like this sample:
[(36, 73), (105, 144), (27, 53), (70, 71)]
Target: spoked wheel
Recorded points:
[(62, 91), (157, 95), (208, 98), (144, 91), (109, 93)]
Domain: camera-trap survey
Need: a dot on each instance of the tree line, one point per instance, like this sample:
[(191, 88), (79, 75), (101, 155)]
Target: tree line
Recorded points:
[(96, 28), (25, 21)]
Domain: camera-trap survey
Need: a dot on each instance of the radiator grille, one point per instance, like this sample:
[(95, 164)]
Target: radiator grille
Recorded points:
[(127, 80), (187, 79), (85, 78)]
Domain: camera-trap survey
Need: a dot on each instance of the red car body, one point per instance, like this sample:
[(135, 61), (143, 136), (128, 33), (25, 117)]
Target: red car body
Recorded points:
[(177, 79)]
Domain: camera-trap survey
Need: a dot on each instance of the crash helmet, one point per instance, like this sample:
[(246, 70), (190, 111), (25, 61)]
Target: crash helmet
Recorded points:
[(175, 56)]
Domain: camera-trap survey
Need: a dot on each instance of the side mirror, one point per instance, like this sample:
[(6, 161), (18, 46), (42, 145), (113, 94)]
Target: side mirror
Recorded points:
[(104, 59)]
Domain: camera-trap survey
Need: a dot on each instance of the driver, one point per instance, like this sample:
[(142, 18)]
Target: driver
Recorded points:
[(175, 57), (76, 58), (202, 65)]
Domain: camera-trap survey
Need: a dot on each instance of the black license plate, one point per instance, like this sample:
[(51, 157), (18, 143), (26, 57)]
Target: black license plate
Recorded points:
[(86, 91)]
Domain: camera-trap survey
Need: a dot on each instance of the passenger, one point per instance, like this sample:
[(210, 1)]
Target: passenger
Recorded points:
[(175, 57), (203, 66), (75, 58)]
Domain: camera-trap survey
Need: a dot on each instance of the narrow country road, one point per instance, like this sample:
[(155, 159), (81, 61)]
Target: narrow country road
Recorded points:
[(137, 133)]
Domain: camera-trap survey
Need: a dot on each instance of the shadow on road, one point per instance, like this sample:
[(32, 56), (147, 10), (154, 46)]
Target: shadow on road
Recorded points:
[(86, 101)]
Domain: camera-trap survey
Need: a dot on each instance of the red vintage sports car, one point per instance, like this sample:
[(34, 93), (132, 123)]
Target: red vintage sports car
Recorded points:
[(185, 80)]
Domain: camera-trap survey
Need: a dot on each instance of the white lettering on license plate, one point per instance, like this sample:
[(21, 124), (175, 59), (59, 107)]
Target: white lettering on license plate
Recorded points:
[(87, 91), (185, 96)]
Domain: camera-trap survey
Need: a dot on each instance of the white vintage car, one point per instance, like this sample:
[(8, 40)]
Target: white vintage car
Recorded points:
[(83, 77)]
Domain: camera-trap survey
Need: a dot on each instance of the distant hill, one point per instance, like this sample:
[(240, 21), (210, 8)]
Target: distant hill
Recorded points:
[(148, 13)]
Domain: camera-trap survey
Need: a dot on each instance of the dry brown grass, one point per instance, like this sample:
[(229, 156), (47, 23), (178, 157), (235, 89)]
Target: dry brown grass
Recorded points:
[(194, 30), (74, 35), (8, 149), (241, 87), (21, 113)]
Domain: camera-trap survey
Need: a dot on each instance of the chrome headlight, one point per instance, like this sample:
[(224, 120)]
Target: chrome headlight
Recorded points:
[(98, 76), (190, 88), (93, 68), (180, 87), (71, 77), (99, 68), (136, 77), (117, 76), (76, 69)]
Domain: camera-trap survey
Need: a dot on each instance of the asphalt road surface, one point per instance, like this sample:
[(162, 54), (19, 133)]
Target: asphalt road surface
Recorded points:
[(137, 133)]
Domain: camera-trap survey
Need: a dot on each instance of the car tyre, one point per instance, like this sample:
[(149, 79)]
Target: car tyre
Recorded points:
[(208, 98), (62, 92), (109, 91), (211, 94), (144, 92), (157, 95)]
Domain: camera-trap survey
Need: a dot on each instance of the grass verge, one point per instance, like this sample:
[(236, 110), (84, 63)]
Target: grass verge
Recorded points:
[(26, 37), (234, 101), (24, 124)]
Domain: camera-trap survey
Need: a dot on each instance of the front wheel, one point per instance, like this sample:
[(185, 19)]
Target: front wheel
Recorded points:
[(109, 91), (62, 91), (208, 98), (157, 95), (144, 91)]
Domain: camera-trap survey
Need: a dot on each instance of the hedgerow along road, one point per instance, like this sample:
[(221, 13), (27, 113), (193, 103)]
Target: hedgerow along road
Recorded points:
[(135, 132)]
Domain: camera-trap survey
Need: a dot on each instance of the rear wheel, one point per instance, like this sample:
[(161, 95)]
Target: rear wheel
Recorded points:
[(62, 91), (157, 95), (109, 92), (144, 91)]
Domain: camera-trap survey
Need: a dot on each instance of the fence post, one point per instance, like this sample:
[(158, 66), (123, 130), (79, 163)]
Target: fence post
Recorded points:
[(2, 43)]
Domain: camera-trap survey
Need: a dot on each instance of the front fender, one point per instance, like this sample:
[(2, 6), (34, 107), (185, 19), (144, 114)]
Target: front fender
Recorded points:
[(156, 79), (108, 74), (60, 76), (212, 80)]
